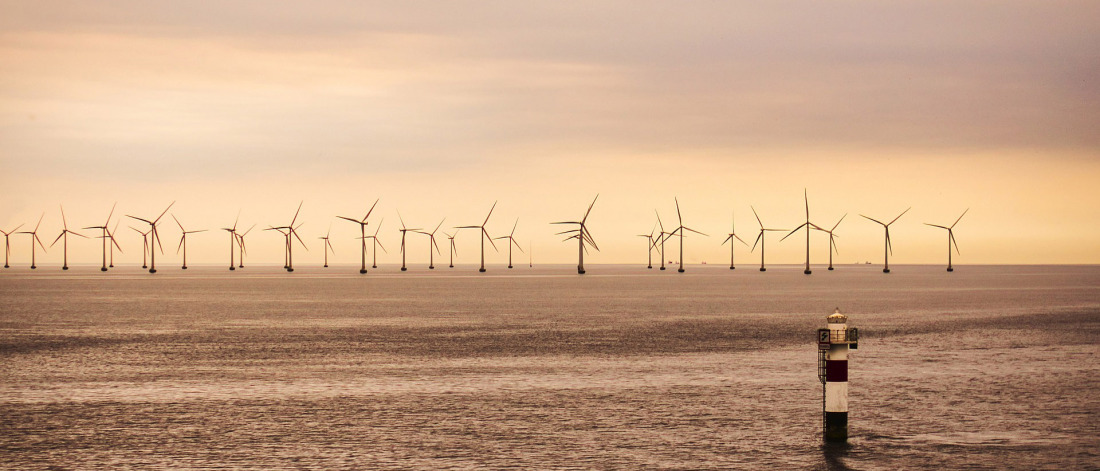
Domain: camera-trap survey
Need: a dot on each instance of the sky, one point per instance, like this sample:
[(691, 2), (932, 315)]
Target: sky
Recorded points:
[(440, 109)]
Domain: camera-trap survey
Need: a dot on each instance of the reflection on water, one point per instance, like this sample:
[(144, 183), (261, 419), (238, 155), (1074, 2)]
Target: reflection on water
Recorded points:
[(988, 367)]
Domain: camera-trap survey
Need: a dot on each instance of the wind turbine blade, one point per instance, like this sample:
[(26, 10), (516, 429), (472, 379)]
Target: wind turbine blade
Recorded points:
[(36, 226), (888, 244), (902, 214), (350, 219), (467, 227), (371, 210), (566, 222), (806, 196), (112, 213), (873, 219), (727, 239), (514, 228), (695, 231), (838, 222), (399, 218), (960, 218), (292, 221), (659, 220), (436, 246), (936, 225), (246, 232), (437, 226), (156, 236), (490, 214), (300, 241), (757, 241), (757, 217), (792, 232), (487, 236), (236, 220), (78, 234), (181, 244), (64, 221), (35, 235), (59, 236), (951, 235), (165, 211), (585, 218), (742, 242), (517, 245), (380, 245), (379, 227), (178, 223), (140, 219)]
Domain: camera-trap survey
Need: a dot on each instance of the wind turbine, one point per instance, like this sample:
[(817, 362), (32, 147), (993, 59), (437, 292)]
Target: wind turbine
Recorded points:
[(431, 235), (363, 233), (681, 230), (951, 238), (889, 249), (832, 242), (65, 234), (453, 251), (512, 241), (233, 240), (404, 230), (327, 245), (484, 234), (154, 237), (760, 238), (104, 236), (34, 238), (376, 244), (242, 249), (808, 226), (292, 230), (7, 244), (581, 234), (733, 235), (651, 244), (144, 245), (662, 236), (183, 240)]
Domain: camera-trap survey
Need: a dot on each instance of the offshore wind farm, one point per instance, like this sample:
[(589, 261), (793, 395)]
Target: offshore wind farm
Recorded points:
[(841, 338)]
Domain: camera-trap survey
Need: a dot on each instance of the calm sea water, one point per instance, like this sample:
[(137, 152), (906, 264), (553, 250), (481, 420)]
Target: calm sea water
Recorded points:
[(987, 367)]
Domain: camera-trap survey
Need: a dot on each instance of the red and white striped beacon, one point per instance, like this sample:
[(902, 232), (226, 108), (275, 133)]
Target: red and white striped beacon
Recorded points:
[(833, 343)]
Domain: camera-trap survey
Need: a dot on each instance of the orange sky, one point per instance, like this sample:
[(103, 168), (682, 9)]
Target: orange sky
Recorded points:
[(441, 109)]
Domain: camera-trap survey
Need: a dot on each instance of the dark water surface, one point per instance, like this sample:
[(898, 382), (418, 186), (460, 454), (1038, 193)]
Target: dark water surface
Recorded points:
[(987, 367)]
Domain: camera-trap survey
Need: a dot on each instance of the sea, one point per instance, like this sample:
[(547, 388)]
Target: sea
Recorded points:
[(988, 367)]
